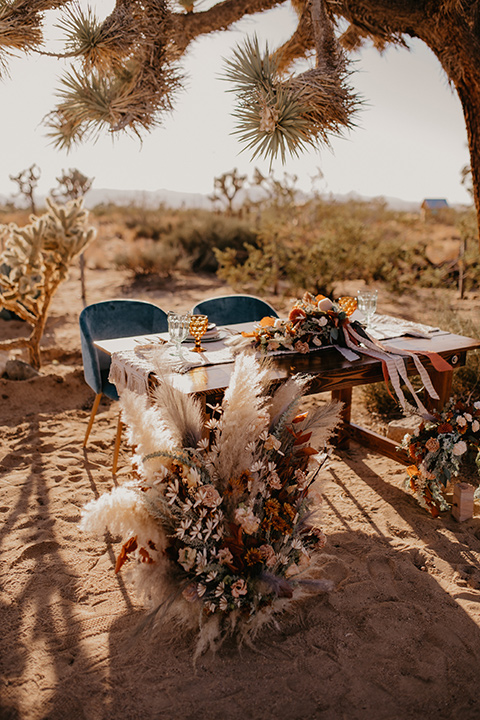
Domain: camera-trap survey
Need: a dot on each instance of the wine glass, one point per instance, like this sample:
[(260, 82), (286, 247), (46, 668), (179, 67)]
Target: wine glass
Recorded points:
[(367, 304), (178, 325), (198, 328)]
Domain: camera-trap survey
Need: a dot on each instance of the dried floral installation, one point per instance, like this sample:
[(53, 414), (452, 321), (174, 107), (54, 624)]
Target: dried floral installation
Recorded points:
[(222, 529)]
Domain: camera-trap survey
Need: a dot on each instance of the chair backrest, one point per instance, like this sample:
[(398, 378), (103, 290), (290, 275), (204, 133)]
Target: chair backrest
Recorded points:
[(234, 309), (110, 319)]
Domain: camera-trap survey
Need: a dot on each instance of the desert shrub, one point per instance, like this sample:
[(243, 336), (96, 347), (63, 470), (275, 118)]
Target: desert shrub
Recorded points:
[(186, 241), (200, 235), (316, 246), (148, 257)]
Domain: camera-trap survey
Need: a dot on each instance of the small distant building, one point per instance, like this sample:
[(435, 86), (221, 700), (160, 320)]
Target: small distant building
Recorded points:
[(431, 207)]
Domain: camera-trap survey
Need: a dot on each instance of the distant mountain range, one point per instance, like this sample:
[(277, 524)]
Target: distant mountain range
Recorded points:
[(174, 199)]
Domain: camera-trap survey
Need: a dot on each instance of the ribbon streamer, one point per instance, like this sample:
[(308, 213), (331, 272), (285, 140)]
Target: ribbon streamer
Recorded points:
[(393, 360)]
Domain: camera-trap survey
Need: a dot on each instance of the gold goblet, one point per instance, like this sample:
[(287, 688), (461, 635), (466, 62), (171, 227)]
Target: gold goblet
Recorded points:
[(198, 328)]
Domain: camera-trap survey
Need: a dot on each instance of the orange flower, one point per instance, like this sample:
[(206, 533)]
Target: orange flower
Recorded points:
[(444, 428), (296, 314)]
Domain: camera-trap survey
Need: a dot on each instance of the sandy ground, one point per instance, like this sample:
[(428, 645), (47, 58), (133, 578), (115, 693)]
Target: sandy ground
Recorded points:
[(397, 638)]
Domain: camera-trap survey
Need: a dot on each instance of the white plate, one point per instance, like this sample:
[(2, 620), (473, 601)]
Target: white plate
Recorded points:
[(208, 338)]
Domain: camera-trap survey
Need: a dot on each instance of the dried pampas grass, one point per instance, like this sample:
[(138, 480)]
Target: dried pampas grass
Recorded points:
[(221, 521)]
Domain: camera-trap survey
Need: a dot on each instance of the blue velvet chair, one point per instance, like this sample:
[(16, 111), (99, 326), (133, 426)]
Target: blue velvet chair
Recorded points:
[(228, 309), (111, 319)]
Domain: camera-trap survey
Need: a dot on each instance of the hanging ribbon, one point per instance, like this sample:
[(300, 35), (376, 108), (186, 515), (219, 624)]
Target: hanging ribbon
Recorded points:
[(394, 367)]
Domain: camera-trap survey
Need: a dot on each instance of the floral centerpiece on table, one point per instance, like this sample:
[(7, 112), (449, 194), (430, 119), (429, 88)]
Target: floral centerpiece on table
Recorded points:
[(441, 449), (223, 529), (313, 321)]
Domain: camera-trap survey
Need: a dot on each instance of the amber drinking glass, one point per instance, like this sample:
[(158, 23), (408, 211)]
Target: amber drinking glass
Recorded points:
[(198, 328)]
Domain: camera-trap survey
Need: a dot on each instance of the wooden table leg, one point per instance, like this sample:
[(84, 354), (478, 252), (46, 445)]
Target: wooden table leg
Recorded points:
[(442, 382), (345, 397)]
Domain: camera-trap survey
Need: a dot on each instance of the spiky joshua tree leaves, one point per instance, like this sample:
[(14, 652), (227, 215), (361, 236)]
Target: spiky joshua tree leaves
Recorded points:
[(35, 260), (126, 68)]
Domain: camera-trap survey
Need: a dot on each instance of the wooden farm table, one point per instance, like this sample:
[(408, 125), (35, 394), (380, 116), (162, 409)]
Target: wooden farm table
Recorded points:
[(330, 372)]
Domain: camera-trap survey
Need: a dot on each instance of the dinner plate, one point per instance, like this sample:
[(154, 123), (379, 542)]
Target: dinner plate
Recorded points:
[(219, 335)]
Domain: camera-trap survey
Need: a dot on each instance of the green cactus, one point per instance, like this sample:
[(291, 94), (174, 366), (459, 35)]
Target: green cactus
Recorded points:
[(35, 260)]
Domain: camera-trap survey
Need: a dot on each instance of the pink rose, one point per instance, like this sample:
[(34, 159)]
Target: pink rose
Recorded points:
[(459, 448), (239, 587), (225, 557), (268, 555), (301, 347), (209, 496)]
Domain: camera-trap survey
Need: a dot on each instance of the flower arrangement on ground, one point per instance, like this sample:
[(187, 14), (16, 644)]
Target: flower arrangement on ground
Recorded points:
[(223, 530), (313, 321), (441, 449)]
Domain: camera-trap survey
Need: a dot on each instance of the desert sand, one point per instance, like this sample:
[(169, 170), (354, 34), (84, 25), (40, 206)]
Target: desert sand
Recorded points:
[(397, 637)]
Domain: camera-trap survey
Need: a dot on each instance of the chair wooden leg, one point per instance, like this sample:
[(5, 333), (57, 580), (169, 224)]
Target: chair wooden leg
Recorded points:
[(96, 403), (118, 440)]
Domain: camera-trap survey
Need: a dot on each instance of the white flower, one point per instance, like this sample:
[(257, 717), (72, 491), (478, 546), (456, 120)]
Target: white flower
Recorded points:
[(224, 556), (196, 532), (201, 589), (159, 475), (212, 424), (317, 341), (181, 531), (209, 527), (300, 477), (220, 589), (274, 481), (247, 519), (201, 560), (172, 492), (203, 444), (211, 575), (273, 345), (476, 405), (461, 421), (187, 557), (187, 505), (323, 321), (467, 417), (258, 465), (223, 604), (192, 477), (475, 426), (272, 443), (459, 448)]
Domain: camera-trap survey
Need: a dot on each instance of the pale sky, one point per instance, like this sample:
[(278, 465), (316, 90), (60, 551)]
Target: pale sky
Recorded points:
[(410, 140)]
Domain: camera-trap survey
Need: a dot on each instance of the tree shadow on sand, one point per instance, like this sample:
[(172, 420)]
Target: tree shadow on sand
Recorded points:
[(48, 635)]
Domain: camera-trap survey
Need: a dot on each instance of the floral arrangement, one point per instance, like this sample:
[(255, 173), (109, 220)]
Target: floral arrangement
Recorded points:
[(313, 321), (317, 321), (440, 449), (222, 529)]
